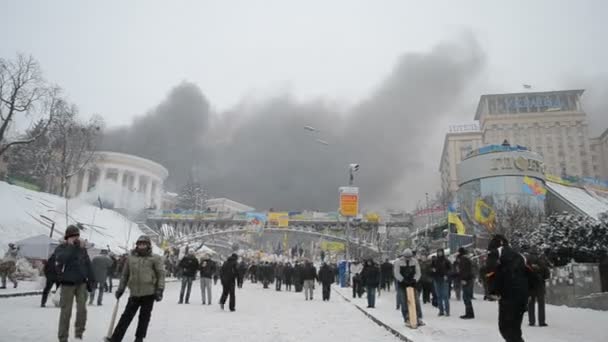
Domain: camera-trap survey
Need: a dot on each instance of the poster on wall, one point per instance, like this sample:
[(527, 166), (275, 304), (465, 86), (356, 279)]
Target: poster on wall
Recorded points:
[(278, 219)]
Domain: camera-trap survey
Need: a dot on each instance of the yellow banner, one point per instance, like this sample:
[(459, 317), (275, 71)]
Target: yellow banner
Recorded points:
[(278, 219), (331, 246)]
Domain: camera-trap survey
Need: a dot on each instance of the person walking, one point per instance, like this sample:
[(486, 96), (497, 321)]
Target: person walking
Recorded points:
[(51, 279), (188, 267), (297, 277), (440, 269), (8, 266), (386, 272), (228, 274), (288, 276), (102, 265), (355, 273), (144, 274), (279, 275), (466, 277), (538, 276), (207, 269), (326, 278), (370, 278), (406, 272), (455, 280), (242, 270), (309, 275), (508, 279), (75, 275)]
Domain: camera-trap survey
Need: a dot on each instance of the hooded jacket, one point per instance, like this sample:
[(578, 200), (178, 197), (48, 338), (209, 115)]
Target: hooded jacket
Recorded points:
[(406, 271)]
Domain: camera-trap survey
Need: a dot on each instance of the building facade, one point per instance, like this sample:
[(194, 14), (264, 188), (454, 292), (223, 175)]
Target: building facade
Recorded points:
[(496, 178), (123, 180), (552, 124), (457, 144), (599, 155)]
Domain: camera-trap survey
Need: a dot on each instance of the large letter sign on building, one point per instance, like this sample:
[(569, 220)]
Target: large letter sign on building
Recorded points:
[(349, 201)]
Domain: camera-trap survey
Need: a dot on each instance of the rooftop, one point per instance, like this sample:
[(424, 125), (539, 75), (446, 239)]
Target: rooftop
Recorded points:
[(578, 92)]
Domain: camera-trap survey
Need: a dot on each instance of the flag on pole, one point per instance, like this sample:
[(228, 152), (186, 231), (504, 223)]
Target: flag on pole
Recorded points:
[(484, 213), (454, 219)]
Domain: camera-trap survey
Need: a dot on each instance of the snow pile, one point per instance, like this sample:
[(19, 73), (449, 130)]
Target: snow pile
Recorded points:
[(25, 213), (580, 198)]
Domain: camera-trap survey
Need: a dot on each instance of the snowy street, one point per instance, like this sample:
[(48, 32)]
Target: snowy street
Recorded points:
[(261, 315)]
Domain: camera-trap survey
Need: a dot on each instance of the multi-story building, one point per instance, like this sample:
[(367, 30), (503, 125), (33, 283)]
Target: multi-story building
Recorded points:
[(457, 144), (599, 155), (551, 123)]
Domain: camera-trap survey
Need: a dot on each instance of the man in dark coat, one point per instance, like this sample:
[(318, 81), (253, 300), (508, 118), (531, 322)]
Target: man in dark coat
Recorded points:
[(288, 276), (75, 275), (604, 270), (51, 279), (370, 279), (326, 277), (387, 275), (188, 267), (466, 277), (279, 275), (309, 275), (538, 275), (228, 274), (101, 265), (440, 270), (242, 269), (297, 277), (253, 273), (207, 269), (508, 279)]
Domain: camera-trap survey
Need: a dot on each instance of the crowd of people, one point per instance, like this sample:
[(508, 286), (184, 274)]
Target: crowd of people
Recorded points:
[(516, 280)]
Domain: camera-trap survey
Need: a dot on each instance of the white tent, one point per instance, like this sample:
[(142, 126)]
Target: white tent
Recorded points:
[(37, 247)]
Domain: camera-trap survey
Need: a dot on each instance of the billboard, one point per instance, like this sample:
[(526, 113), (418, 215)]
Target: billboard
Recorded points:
[(349, 201), (278, 219)]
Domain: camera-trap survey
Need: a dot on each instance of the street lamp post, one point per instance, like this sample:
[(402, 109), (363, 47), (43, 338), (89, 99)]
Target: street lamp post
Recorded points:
[(352, 168)]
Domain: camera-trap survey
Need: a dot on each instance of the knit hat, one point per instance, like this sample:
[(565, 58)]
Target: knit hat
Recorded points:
[(70, 231)]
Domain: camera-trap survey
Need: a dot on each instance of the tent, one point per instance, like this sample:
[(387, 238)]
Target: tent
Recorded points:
[(37, 247)]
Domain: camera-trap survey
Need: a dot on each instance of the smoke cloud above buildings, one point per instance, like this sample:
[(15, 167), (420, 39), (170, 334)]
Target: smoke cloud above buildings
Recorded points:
[(260, 154)]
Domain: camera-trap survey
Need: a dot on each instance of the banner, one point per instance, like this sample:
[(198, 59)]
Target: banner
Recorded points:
[(484, 214), (534, 187), (278, 219), (256, 220), (349, 201), (330, 246)]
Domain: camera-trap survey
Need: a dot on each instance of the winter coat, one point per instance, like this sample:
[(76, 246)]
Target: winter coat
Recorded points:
[(425, 269), (370, 276), (11, 255), (309, 272), (355, 269), (101, 267), (440, 268), (49, 269), (188, 266), (207, 268), (538, 274), (406, 271), (144, 274), (508, 275), (386, 271), (297, 273), (229, 272), (242, 269), (73, 265), (326, 275), (279, 272), (465, 269), (288, 273)]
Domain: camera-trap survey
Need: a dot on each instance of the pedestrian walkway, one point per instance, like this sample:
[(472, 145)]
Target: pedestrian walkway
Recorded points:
[(261, 315), (24, 288), (565, 324)]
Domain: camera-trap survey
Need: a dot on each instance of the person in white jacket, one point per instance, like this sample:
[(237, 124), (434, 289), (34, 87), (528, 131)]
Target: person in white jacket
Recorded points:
[(407, 274), (355, 278)]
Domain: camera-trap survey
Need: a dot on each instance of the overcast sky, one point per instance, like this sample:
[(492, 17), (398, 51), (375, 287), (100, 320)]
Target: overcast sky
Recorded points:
[(120, 58)]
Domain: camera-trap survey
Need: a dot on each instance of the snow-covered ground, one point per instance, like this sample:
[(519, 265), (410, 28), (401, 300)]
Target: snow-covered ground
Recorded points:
[(261, 316), (565, 324), (583, 200), (21, 210)]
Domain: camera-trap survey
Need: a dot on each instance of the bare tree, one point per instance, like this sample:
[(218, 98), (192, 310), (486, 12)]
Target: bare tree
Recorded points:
[(73, 143), (515, 219), (23, 92)]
